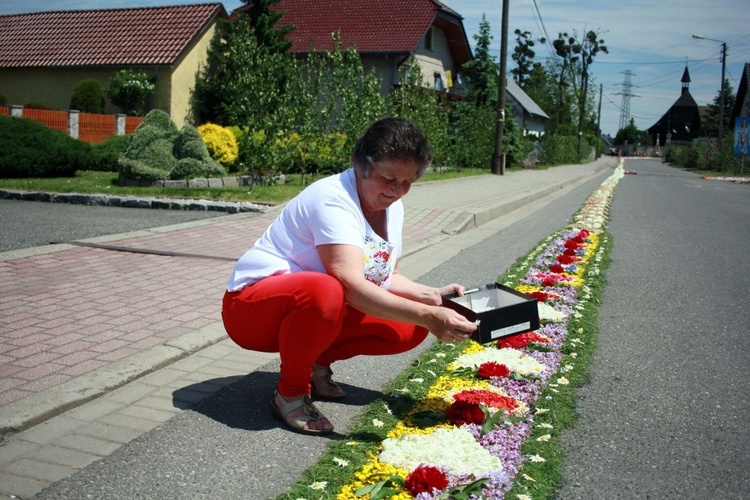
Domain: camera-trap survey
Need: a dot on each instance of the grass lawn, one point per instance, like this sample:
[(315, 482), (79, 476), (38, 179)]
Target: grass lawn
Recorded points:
[(90, 182)]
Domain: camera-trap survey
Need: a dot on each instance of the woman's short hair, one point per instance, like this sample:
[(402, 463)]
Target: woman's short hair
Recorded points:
[(391, 139)]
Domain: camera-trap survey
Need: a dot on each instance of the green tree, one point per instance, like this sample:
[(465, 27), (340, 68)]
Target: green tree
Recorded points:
[(88, 97), (243, 83), (711, 125), (129, 91), (630, 134), (264, 20), (482, 71), (523, 55)]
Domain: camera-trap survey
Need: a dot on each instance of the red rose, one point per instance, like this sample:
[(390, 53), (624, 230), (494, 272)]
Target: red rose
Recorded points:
[(578, 239), (540, 296), (492, 369), (556, 268), (517, 341), (569, 251), (424, 479), (487, 398), (565, 259), (549, 281), (583, 233), (464, 412)]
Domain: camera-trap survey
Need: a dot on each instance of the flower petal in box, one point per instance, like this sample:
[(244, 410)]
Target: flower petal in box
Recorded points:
[(499, 310)]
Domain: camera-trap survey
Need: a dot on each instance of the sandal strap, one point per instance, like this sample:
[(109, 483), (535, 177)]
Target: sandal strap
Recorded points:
[(289, 406)]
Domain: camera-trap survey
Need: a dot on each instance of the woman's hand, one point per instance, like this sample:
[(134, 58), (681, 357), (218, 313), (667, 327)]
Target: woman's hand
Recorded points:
[(449, 326)]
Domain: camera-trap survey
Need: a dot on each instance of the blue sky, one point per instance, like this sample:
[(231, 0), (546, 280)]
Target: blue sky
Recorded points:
[(652, 40)]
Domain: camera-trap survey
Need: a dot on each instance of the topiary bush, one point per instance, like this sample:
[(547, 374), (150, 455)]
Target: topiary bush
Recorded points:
[(32, 150), (190, 145), (88, 97), (106, 153), (221, 143), (156, 146), (149, 155)]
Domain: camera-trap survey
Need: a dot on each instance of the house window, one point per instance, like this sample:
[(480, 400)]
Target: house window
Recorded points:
[(428, 39), (438, 82)]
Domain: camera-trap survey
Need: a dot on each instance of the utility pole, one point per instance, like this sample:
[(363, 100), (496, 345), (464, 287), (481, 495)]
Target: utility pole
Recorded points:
[(599, 114), (498, 163), (721, 89)]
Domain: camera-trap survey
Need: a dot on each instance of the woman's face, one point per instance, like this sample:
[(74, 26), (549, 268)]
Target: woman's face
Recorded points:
[(388, 182)]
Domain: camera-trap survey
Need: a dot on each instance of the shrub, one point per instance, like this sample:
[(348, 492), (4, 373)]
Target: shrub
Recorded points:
[(156, 146), (149, 151), (128, 90), (221, 143), (32, 150), (3, 100), (88, 97), (106, 153)]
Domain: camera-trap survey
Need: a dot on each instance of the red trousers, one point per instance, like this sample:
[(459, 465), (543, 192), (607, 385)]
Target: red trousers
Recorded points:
[(304, 317)]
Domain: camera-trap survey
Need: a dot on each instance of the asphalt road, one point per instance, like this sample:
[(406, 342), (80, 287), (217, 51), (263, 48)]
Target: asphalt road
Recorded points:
[(665, 414), (26, 224)]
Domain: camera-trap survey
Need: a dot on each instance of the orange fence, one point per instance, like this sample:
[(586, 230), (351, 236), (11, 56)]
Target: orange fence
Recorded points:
[(91, 127), (96, 128), (57, 120)]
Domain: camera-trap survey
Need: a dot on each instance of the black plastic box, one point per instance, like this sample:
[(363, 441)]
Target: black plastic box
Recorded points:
[(500, 310)]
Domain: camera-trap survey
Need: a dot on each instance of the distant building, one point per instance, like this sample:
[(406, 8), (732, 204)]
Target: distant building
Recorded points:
[(682, 122), (530, 117), (742, 102)]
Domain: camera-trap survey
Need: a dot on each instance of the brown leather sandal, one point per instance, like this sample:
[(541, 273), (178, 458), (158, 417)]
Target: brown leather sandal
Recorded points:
[(322, 387), (281, 408)]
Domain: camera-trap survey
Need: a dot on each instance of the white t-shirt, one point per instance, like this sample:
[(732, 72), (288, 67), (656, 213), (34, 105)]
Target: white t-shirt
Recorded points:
[(326, 212)]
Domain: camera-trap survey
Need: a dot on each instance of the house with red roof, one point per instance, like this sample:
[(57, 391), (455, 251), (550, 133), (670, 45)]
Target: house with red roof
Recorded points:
[(388, 35), (44, 55)]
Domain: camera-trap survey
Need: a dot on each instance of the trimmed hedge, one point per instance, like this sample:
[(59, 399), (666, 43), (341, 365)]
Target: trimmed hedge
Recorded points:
[(29, 149)]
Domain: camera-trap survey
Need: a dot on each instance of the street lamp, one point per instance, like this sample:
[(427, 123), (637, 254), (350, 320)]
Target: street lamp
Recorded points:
[(721, 89)]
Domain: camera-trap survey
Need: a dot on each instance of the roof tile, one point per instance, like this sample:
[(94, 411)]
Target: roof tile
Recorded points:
[(107, 37)]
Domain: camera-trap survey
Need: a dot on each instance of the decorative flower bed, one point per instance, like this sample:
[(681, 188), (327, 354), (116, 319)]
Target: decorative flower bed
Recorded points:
[(473, 420)]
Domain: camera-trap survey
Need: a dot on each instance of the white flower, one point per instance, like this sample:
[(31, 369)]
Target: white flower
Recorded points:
[(455, 449), (417, 380), (544, 438), (377, 422), (523, 496), (537, 458), (352, 443), (340, 462), (387, 409), (545, 425), (539, 411), (432, 373), (549, 313), (514, 359), (319, 485), (563, 381), (573, 354), (529, 478), (440, 355)]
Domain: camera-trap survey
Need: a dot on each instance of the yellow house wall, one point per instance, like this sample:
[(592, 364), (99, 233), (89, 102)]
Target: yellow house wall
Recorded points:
[(182, 77)]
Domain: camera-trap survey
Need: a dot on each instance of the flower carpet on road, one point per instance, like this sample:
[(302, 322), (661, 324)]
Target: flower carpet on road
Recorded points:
[(483, 420)]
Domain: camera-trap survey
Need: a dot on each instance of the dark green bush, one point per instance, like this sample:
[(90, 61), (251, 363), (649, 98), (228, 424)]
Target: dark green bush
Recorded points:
[(106, 153), (156, 146), (3, 100), (148, 154), (29, 149), (88, 97)]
